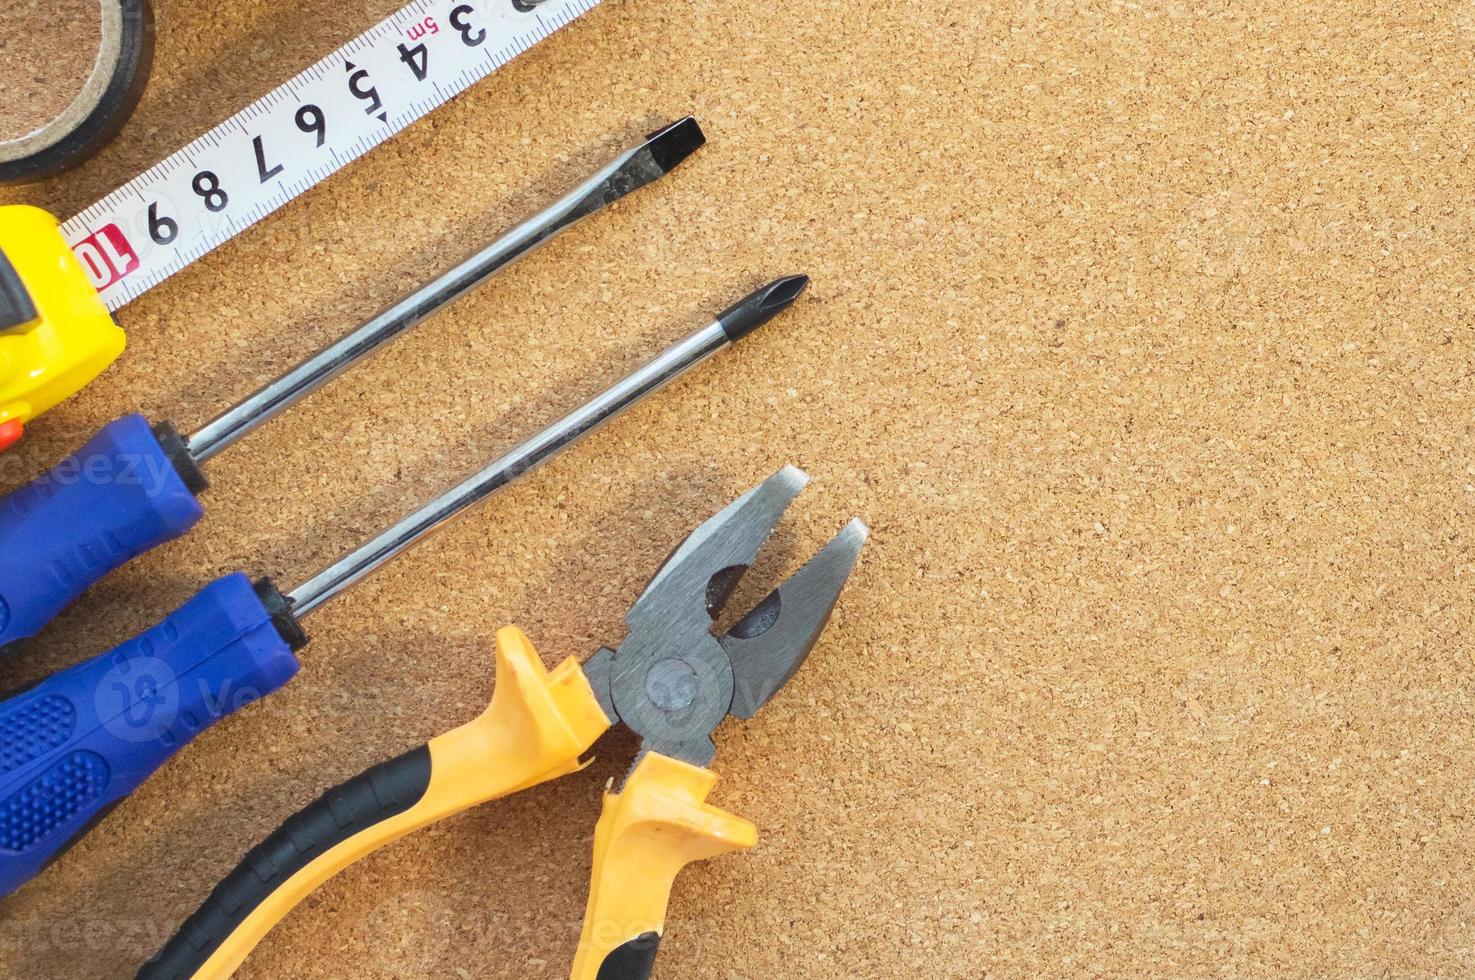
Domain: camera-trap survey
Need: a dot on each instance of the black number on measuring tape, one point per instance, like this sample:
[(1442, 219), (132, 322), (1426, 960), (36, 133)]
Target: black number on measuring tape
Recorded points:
[(418, 58), (207, 185), (362, 88), (471, 37), (261, 168), (162, 230), (310, 120)]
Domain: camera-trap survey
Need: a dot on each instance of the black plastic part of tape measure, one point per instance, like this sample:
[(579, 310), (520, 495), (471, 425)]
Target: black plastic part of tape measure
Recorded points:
[(16, 306), (129, 75)]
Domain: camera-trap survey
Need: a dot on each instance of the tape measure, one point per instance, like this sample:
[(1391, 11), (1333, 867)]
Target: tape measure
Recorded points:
[(59, 279)]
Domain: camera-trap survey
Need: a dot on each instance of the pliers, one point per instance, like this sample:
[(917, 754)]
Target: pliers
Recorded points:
[(672, 680)]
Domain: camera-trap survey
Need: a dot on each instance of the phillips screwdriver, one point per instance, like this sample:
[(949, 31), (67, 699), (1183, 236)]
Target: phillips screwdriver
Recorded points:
[(77, 743), (134, 486)]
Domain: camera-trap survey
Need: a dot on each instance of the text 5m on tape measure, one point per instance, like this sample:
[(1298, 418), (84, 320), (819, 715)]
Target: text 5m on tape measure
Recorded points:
[(58, 284)]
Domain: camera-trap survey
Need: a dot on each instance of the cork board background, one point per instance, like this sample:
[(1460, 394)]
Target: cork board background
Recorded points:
[(47, 51), (1140, 335)]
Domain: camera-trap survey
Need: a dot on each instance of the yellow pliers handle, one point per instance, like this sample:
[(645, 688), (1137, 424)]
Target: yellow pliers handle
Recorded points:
[(538, 726), (540, 722), (55, 333), (656, 825)]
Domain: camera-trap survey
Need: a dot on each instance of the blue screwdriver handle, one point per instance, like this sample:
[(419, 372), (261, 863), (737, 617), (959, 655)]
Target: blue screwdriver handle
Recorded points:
[(78, 742), (115, 498)]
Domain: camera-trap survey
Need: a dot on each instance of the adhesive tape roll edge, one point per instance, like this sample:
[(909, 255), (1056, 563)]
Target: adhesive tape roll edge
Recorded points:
[(107, 99)]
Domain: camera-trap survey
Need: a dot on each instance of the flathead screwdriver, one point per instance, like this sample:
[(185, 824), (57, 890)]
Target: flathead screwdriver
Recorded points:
[(135, 486), (83, 739)]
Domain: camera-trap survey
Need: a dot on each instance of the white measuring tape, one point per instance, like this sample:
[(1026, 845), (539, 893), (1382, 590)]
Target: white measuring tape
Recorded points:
[(281, 145)]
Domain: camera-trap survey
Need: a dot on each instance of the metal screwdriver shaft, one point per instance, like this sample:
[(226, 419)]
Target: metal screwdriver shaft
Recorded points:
[(633, 169), (126, 712), (744, 317), (80, 530)]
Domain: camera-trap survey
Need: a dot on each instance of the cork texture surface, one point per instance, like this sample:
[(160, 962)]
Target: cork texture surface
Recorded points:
[(47, 51), (1140, 336)]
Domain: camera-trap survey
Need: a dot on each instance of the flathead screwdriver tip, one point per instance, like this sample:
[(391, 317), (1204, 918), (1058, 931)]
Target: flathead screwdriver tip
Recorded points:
[(670, 146), (753, 311)]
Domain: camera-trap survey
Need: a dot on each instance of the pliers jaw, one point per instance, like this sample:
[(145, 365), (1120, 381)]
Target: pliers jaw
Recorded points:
[(769, 645), (674, 680)]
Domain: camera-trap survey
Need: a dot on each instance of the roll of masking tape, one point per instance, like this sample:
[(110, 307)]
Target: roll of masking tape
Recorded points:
[(74, 128)]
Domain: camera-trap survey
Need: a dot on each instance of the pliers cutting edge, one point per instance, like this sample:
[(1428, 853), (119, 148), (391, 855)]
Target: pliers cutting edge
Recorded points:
[(672, 681)]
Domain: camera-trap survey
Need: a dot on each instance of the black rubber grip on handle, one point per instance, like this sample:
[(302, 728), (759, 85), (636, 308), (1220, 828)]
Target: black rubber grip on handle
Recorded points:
[(632, 961), (385, 791)]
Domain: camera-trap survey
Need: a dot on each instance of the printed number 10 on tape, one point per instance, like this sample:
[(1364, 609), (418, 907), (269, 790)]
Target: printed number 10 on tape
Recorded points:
[(283, 144)]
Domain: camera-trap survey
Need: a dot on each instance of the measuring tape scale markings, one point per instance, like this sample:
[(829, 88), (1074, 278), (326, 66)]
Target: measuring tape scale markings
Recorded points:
[(338, 109), (73, 276)]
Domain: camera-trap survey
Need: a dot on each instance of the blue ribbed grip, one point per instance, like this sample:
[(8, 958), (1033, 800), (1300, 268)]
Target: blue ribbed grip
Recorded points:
[(116, 498), (85, 738)]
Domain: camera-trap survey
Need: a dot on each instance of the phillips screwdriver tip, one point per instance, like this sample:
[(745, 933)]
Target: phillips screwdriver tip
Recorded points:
[(752, 312), (675, 143)]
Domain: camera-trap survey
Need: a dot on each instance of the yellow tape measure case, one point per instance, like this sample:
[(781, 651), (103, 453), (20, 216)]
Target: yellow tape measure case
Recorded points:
[(55, 333)]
